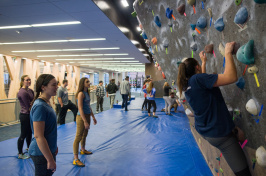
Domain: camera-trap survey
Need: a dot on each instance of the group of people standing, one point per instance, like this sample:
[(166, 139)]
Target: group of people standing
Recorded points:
[(212, 118), (38, 117)]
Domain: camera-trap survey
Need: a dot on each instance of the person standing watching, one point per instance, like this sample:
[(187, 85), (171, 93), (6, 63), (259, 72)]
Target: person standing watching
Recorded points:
[(100, 95), (125, 92), (111, 92), (25, 97), (43, 147), (65, 104)]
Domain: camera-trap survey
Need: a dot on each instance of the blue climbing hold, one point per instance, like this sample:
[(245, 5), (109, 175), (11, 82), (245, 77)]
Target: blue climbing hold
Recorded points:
[(202, 22), (241, 16), (219, 24), (157, 21), (193, 26), (245, 53), (260, 1), (169, 13), (240, 83), (143, 34)]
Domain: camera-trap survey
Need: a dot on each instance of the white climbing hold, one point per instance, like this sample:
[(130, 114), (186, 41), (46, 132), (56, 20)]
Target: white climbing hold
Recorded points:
[(251, 107), (221, 49), (253, 69), (261, 156)]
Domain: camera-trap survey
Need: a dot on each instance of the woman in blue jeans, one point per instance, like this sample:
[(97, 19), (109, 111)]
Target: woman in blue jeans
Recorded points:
[(212, 118), (43, 148)]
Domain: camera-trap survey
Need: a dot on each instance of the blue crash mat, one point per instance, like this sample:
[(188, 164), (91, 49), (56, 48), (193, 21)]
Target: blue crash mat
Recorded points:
[(123, 143)]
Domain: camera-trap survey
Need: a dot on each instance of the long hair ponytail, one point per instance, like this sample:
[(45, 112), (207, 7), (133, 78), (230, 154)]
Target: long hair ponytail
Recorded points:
[(186, 70), (81, 87), (22, 79), (43, 80), (150, 87)]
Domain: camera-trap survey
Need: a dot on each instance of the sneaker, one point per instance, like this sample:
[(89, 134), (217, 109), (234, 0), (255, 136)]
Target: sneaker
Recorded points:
[(85, 152), (97, 112), (27, 150), (77, 162), (23, 156)]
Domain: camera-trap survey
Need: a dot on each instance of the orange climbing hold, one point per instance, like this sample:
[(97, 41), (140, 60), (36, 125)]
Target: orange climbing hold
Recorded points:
[(173, 16), (197, 30), (154, 40), (194, 9)]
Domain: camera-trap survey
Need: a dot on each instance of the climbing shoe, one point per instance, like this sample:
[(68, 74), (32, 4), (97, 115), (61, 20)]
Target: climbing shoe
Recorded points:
[(77, 162), (23, 156), (85, 152)]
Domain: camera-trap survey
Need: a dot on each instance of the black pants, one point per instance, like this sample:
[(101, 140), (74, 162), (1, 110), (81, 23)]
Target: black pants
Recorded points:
[(124, 102), (145, 103), (232, 152), (151, 103), (25, 131), (99, 103), (40, 164), (63, 112)]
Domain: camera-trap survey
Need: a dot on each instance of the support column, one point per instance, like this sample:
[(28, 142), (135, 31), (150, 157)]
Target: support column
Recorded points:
[(101, 76), (91, 78)]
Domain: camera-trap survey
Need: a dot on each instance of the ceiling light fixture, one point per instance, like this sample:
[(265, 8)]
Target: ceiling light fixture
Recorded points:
[(134, 42), (40, 25), (124, 3), (123, 29), (102, 5), (79, 49), (141, 49), (53, 41)]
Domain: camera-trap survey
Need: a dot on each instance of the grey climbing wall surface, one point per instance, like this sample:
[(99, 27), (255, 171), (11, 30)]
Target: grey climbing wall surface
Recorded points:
[(183, 37)]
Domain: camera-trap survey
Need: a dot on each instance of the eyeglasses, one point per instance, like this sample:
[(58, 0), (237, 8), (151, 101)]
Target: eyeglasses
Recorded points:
[(87, 81), (27, 79)]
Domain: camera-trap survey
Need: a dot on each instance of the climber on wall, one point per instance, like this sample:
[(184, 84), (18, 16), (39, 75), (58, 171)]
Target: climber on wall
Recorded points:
[(212, 118)]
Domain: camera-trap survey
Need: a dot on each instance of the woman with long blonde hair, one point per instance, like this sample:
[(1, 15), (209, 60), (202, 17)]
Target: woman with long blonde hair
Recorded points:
[(168, 104), (83, 120), (150, 91)]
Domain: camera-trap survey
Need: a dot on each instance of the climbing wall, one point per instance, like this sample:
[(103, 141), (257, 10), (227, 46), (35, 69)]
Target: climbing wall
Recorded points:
[(186, 31)]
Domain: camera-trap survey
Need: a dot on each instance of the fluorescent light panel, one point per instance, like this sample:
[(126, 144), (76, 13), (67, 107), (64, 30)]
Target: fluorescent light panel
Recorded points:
[(124, 3), (141, 49), (79, 49), (52, 41), (94, 59), (40, 25), (134, 42)]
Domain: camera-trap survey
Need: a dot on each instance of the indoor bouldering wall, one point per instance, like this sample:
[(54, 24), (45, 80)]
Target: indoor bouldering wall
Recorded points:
[(179, 29)]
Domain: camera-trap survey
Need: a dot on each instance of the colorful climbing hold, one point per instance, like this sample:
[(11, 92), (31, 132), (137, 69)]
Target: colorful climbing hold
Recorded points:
[(261, 156), (140, 26), (143, 34), (181, 9), (194, 47), (261, 110), (219, 24), (210, 12), (208, 48), (193, 26), (241, 16), (251, 107), (169, 13), (134, 14), (222, 49), (240, 83), (238, 2), (165, 45), (157, 21), (245, 54), (170, 24), (191, 2), (260, 1), (154, 40), (159, 68), (253, 69), (163, 75), (202, 22)]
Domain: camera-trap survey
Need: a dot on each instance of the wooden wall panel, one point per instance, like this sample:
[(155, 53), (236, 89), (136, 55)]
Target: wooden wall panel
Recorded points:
[(69, 78), (56, 71), (76, 76), (2, 84), (47, 68), (13, 70), (62, 73)]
